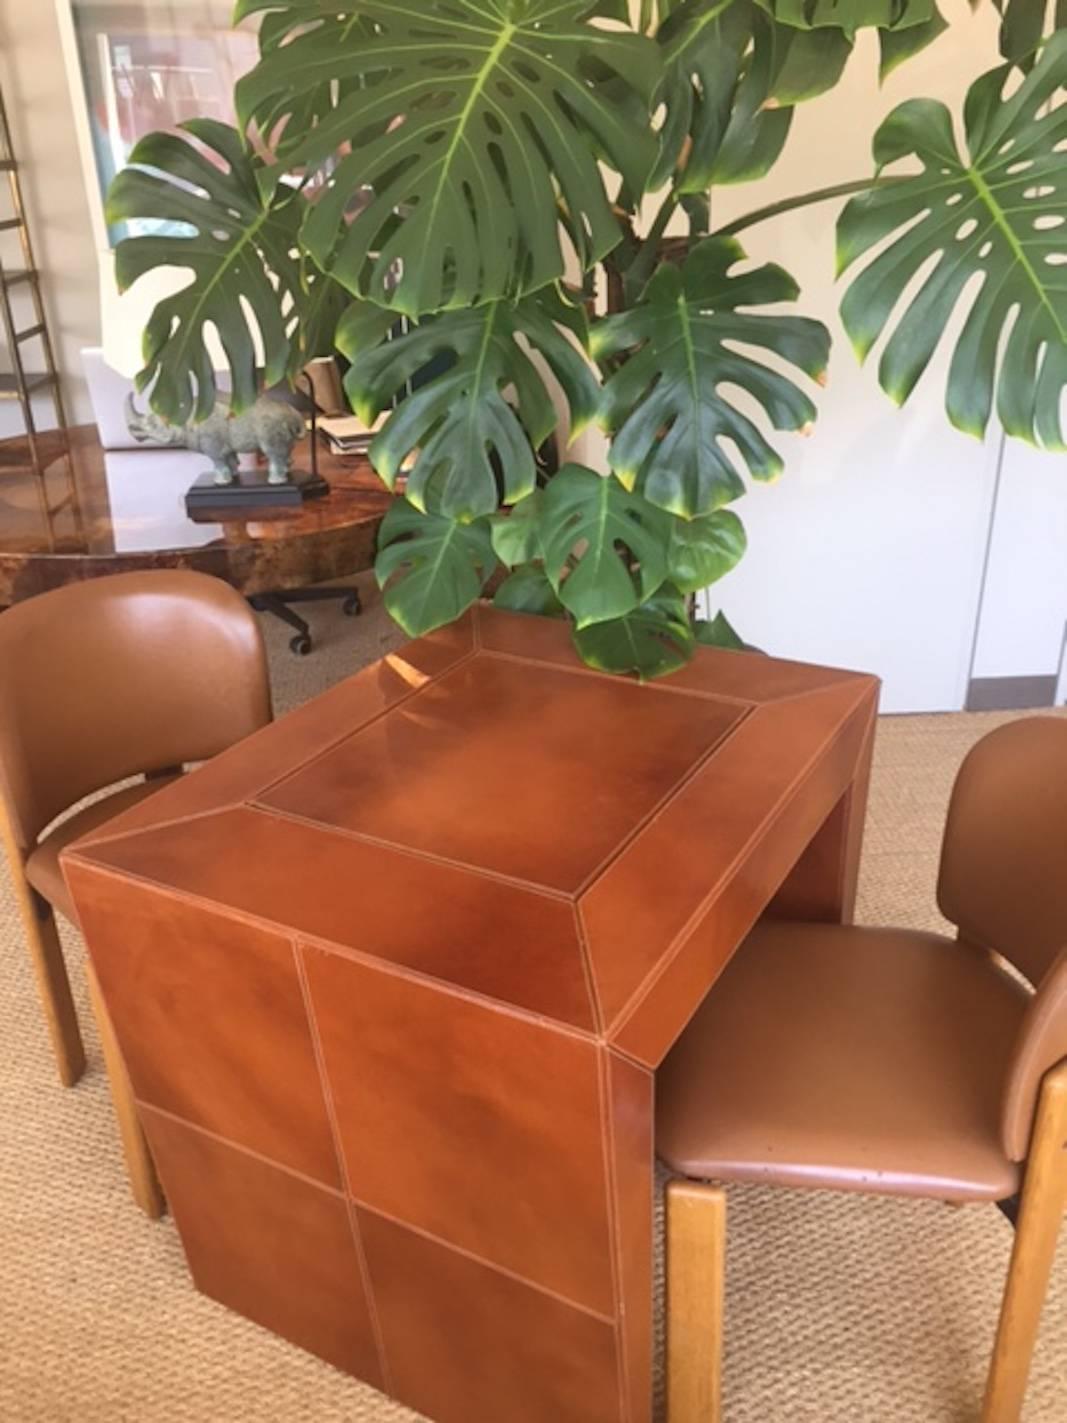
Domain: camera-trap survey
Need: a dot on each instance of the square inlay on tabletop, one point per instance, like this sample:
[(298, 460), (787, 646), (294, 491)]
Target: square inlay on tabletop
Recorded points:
[(393, 977)]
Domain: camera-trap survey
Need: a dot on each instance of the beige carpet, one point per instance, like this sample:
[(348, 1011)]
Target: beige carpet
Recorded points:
[(841, 1310)]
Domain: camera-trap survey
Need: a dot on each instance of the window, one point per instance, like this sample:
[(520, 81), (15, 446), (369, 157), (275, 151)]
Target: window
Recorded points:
[(151, 64)]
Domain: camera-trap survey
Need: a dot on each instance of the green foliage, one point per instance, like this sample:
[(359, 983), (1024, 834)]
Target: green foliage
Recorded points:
[(528, 590), (666, 405), (718, 633), (431, 569), (475, 441), (604, 548), (851, 15), (232, 242), (991, 220), (455, 162), (470, 119), (1025, 23), (701, 551), (653, 641)]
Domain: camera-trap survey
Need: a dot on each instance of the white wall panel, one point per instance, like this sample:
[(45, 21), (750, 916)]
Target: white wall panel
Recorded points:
[(1024, 606), (869, 551)]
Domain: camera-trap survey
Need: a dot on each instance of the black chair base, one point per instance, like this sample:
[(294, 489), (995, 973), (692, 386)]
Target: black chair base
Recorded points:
[(279, 606)]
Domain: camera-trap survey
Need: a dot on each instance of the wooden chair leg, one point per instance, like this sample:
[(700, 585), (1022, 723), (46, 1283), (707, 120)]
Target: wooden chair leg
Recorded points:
[(49, 968), (696, 1299), (140, 1167), (1037, 1233)]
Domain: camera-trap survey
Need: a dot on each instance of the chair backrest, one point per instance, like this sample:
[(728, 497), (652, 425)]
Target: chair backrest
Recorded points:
[(117, 677), (1004, 885)]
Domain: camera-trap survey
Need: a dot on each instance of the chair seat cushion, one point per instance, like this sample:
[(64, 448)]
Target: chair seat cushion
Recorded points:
[(42, 867), (850, 1059)]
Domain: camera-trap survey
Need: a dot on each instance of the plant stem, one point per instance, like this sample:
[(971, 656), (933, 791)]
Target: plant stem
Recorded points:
[(821, 195), (639, 271)]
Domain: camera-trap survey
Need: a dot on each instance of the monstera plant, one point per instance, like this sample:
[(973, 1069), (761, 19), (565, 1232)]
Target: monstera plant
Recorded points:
[(478, 204)]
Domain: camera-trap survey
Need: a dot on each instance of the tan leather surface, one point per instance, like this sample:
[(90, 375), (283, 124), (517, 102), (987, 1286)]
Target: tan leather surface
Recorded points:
[(441, 774), (42, 865), (502, 1114), (469, 1344), (430, 918), (853, 1059), (1004, 883), (308, 1287), (1041, 1045), (428, 839), (698, 879), (104, 680), (260, 1089), (1004, 863)]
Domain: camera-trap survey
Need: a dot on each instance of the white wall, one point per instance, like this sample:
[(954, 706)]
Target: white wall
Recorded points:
[(35, 86), (1023, 621), (869, 552)]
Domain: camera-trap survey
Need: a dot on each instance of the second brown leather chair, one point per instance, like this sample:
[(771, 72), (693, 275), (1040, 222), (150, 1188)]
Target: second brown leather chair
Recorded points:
[(138, 675), (891, 1062)]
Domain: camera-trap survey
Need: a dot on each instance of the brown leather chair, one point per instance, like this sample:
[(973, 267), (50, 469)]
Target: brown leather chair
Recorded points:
[(136, 675), (891, 1062)]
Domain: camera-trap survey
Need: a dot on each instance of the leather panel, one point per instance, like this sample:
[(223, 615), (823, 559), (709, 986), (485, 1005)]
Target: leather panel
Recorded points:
[(631, 1090), (511, 769), (307, 1285), (701, 846), (242, 771), (489, 937), (488, 1136), (467, 1344), (210, 1016)]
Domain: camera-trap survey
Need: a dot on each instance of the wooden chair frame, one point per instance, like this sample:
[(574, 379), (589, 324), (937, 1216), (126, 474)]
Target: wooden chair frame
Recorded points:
[(53, 987), (696, 1277)]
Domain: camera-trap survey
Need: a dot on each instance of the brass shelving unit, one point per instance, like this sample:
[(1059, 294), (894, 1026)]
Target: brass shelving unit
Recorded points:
[(29, 379)]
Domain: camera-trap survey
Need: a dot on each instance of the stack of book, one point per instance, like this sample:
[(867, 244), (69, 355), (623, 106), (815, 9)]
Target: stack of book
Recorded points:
[(347, 434)]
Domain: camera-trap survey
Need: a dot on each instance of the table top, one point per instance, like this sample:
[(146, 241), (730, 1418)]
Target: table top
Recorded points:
[(616, 834), (128, 513)]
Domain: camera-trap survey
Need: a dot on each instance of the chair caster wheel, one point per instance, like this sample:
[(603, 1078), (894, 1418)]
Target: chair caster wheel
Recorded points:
[(352, 607), (301, 644)]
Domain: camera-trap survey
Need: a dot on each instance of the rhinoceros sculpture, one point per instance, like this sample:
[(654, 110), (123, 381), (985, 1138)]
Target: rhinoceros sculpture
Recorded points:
[(269, 426)]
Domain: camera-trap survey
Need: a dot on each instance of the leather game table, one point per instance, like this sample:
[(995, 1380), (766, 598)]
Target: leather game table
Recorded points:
[(393, 978)]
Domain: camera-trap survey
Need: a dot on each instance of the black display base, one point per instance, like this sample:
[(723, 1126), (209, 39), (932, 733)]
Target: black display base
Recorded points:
[(209, 501)]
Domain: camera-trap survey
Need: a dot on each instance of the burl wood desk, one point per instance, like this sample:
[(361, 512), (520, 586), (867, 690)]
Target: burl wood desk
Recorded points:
[(393, 977)]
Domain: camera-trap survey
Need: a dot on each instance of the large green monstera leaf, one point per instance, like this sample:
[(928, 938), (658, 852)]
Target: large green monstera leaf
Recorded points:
[(668, 406), (653, 641), (238, 250), (851, 15), (475, 120), (604, 549), (991, 220), (734, 70), (431, 569), (1024, 24), (720, 66), (481, 408), (701, 551), (294, 114)]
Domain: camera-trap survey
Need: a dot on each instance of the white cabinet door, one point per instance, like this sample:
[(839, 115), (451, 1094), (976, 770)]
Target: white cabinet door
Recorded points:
[(1019, 649)]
